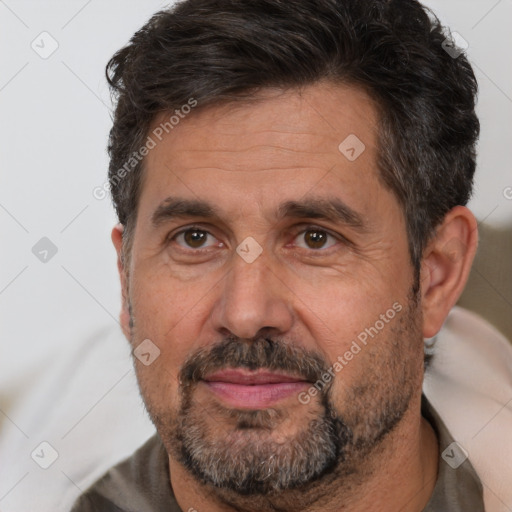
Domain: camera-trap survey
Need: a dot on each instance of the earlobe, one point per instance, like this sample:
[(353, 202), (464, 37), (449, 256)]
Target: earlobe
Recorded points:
[(124, 317), (445, 267)]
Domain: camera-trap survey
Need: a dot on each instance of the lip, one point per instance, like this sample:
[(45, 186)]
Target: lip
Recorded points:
[(253, 390)]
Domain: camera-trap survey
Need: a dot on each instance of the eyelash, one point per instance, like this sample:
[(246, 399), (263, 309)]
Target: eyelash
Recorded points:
[(303, 229)]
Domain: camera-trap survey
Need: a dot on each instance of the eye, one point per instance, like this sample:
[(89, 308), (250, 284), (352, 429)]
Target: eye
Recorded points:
[(192, 238), (315, 237)]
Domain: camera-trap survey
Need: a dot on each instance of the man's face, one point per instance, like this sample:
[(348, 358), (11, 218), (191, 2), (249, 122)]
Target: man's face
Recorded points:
[(251, 306)]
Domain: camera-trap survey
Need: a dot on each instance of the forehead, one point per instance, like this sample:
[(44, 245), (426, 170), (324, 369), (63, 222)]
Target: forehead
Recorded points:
[(318, 117), (286, 143)]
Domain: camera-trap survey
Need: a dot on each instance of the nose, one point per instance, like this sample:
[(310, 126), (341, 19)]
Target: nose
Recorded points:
[(252, 298)]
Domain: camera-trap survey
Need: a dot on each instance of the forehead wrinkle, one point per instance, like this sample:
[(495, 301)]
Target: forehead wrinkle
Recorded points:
[(249, 137), (260, 158), (266, 169), (303, 142), (250, 148)]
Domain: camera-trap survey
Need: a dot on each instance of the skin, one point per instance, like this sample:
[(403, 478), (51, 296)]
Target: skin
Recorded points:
[(285, 147)]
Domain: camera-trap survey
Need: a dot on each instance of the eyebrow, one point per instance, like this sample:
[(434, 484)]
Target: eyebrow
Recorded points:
[(176, 207), (330, 209)]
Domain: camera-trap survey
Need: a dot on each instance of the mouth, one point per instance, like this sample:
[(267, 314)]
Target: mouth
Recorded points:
[(244, 389)]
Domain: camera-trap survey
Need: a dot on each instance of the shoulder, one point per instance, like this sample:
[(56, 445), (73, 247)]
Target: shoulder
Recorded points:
[(140, 482)]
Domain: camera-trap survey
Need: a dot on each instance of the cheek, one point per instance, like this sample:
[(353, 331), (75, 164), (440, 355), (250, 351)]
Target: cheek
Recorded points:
[(384, 359), (171, 314), (158, 385), (355, 323), (161, 303), (343, 306)]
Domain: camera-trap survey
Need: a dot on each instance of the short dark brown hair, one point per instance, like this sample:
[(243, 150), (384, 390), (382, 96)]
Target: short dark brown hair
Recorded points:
[(213, 51)]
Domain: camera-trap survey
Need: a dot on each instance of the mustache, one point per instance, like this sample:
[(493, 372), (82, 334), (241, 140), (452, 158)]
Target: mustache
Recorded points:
[(262, 353)]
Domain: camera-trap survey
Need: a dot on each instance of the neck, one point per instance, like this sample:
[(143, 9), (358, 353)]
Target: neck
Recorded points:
[(400, 475)]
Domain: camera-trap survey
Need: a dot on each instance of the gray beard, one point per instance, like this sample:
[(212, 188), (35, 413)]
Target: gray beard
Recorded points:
[(247, 460)]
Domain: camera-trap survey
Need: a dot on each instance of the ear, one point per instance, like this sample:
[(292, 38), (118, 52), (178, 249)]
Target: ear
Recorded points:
[(445, 267), (124, 317)]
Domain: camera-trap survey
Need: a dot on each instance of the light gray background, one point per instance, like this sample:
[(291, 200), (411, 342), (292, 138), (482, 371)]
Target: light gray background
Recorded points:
[(55, 118)]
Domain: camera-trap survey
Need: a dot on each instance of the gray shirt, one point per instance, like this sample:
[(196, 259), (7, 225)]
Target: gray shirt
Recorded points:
[(141, 483)]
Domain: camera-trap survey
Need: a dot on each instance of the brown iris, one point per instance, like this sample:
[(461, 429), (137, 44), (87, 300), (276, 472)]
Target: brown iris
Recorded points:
[(315, 239), (195, 237)]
